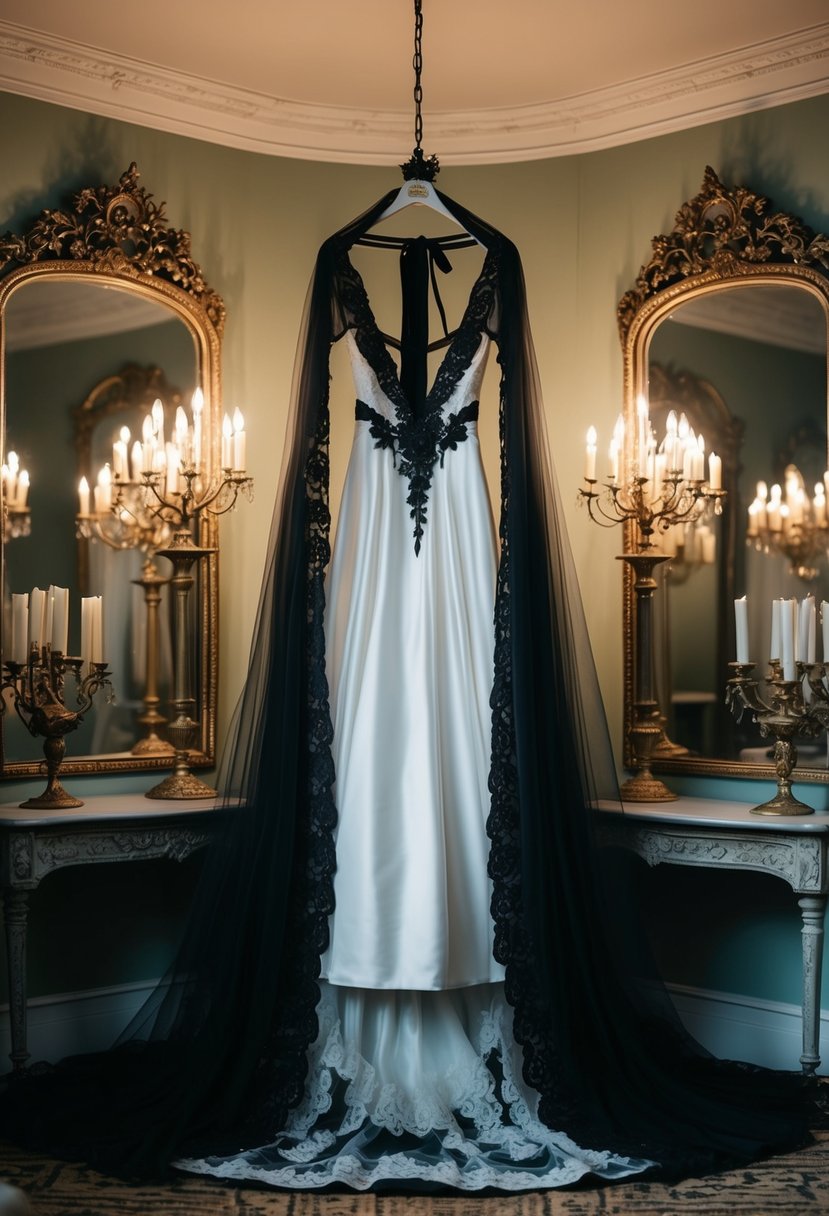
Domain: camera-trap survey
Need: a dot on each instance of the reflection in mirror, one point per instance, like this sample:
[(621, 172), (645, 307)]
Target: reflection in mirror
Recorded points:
[(728, 323), (102, 309), (755, 356), (64, 339)]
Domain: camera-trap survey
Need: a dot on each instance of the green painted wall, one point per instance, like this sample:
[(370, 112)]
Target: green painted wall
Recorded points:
[(584, 226)]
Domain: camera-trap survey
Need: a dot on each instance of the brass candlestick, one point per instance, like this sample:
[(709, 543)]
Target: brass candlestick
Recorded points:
[(37, 688), (183, 552), (152, 720), (130, 524), (786, 714), (647, 729), (649, 509)]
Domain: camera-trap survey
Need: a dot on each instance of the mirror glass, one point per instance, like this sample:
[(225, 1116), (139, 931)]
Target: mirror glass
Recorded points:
[(727, 323), (747, 364), (82, 360)]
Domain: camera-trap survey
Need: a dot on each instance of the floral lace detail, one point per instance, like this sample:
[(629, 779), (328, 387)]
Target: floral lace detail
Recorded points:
[(512, 946), (280, 1074), (479, 1131), (419, 438), (419, 443)]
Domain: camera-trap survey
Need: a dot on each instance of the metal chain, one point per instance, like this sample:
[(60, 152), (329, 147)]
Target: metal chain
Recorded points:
[(417, 64)]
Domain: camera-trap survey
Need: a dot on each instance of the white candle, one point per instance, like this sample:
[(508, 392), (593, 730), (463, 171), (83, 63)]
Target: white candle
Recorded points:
[(173, 462), (741, 614), (787, 627), (824, 621), (811, 647), (644, 431), (83, 496), (589, 454), (715, 471), (98, 629), (87, 628), (774, 651), (709, 546), (46, 634), (197, 405), (60, 619), (802, 644), (137, 460), (20, 628), (239, 453), (157, 414), (613, 462), (37, 612), (227, 443)]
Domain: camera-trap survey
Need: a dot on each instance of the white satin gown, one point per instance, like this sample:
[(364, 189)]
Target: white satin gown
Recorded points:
[(415, 1074)]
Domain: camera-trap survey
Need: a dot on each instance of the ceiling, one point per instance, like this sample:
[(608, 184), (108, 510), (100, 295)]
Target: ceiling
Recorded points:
[(503, 79)]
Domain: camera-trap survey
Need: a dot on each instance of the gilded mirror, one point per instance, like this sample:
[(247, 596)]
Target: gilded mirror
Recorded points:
[(102, 311), (728, 325)]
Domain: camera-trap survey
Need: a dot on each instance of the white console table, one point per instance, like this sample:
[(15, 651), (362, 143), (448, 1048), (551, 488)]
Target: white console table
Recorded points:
[(725, 835), (121, 827)]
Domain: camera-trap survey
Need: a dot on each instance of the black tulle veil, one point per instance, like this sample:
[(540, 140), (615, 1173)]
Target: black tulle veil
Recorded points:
[(217, 1056)]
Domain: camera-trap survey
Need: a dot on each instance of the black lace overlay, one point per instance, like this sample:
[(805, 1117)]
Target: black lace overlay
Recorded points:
[(417, 444), (419, 439)]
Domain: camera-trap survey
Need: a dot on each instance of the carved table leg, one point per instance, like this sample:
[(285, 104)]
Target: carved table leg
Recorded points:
[(813, 909), (16, 911)]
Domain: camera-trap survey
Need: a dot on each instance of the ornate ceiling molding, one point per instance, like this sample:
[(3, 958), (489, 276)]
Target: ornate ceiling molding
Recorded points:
[(73, 74)]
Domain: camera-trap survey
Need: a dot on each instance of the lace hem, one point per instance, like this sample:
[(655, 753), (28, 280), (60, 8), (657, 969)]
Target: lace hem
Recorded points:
[(470, 1126)]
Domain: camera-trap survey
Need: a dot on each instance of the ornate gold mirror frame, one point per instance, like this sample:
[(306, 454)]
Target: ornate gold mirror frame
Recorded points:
[(118, 237), (722, 239)]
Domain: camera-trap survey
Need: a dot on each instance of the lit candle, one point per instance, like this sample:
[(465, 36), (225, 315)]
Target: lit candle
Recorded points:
[(227, 443), (20, 628), (197, 405), (741, 615), (157, 414), (137, 460), (83, 496), (173, 462), (183, 442), (709, 546), (644, 430), (774, 649), (613, 462), (715, 471), (22, 489), (589, 454), (239, 443), (671, 451)]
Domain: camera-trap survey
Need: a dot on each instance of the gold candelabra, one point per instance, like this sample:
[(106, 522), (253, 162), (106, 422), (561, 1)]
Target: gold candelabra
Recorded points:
[(786, 712), (666, 498), (788, 522), (182, 509), (128, 523), (17, 518), (37, 689)]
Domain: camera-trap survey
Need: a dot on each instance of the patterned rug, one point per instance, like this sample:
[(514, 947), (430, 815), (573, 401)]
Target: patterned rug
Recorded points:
[(794, 1185)]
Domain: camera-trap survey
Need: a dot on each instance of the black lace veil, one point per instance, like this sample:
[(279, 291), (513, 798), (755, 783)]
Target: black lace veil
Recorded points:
[(217, 1056)]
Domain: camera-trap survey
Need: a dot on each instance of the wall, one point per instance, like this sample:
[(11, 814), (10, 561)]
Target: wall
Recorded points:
[(584, 226)]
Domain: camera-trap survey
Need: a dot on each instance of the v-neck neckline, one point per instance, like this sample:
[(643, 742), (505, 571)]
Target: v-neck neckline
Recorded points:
[(391, 367)]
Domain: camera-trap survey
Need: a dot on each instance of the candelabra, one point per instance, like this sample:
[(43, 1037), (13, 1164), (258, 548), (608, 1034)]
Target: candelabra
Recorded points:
[(129, 523), (17, 518), (183, 509), (796, 528), (37, 689), (681, 500), (786, 713)]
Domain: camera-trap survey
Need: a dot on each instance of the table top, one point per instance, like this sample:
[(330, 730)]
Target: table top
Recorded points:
[(109, 808), (715, 813)]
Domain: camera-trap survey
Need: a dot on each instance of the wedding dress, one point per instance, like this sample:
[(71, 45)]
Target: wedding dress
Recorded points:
[(415, 1073), (408, 962)]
